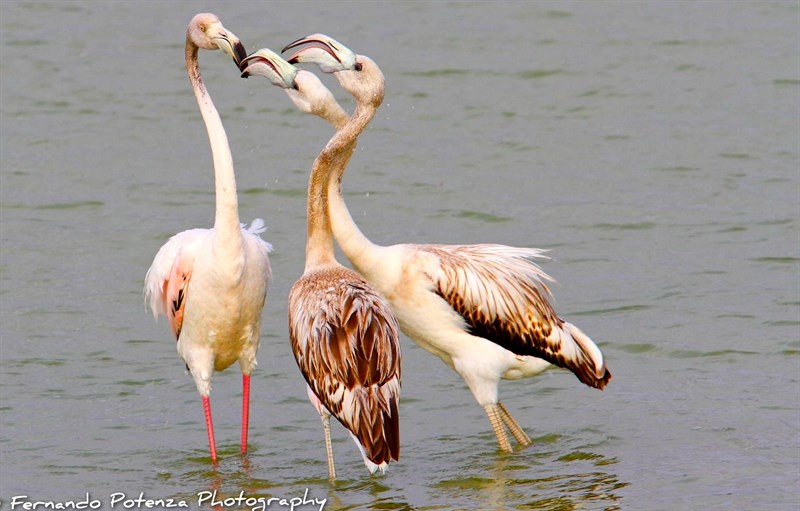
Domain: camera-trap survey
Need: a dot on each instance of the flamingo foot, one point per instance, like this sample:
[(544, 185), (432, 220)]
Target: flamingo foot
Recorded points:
[(493, 412), (513, 426)]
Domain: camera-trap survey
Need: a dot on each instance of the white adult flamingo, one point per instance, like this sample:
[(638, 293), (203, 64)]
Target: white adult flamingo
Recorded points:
[(343, 333), (483, 309), (212, 283)]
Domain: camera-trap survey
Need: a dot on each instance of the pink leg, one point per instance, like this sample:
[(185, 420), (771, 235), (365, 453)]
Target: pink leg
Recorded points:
[(245, 410), (212, 445)]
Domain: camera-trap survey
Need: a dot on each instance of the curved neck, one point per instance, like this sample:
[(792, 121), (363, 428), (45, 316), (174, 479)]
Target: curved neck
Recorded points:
[(226, 222), (332, 162), (335, 115), (319, 241)]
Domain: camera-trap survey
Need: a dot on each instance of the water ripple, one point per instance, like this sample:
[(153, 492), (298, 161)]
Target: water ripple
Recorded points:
[(611, 310)]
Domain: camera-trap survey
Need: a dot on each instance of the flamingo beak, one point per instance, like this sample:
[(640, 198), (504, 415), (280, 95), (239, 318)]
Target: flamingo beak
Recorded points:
[(270, 65), (327, 53), (230, 44)]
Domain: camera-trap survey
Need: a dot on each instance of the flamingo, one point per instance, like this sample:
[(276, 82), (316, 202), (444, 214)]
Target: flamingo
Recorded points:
[(483, 309), (344, 336), (212, 283)]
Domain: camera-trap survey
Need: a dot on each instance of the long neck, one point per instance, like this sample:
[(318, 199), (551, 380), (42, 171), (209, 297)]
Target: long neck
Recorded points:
[(226, 221), (319, 242), (357, 247)]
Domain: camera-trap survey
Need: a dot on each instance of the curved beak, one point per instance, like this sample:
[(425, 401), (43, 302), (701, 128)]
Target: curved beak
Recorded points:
[(270, 65), (230, 44), (327, 53)]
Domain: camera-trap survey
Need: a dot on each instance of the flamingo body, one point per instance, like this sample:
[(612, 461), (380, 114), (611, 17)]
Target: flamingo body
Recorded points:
[(345, 341), (213, 328), (343, 333), (212, 283), (482, 309)]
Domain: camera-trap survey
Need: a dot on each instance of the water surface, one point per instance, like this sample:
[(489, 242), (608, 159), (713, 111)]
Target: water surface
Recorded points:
[(651, 147)]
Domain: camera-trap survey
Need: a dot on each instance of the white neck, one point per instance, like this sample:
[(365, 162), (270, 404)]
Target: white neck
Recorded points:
[(226, 222), (357, 247)]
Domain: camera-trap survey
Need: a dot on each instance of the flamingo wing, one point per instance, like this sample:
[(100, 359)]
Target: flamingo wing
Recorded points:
[(502, 295), (346, 342), (176, 290), (167, 281)]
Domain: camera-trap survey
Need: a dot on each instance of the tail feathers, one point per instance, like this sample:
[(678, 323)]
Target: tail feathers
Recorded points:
[(257, 226), (377, 434), (371, 466), (588, 364)]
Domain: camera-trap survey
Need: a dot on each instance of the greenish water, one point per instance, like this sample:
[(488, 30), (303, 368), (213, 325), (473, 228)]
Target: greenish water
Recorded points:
[(651, 147)]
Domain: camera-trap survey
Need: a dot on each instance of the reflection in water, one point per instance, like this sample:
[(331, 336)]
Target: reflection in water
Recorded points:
[(562, 486), (232, 485)]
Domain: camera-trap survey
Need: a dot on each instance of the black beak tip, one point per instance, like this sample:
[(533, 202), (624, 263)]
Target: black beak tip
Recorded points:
[(242, 64), (291, 45), (240, 52)]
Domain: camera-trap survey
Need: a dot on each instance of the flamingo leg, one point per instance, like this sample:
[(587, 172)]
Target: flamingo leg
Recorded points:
[(326, 427), (212, 445), (245, 410), (513, 426), (492, 410)]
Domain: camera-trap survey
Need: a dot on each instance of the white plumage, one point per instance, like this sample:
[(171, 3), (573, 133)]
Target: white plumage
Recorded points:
[(212, 283)]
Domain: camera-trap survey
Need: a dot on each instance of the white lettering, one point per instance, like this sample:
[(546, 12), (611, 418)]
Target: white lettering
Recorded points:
[(114, 498), (213, 499), (17, 499), (202, 497), (259, 505), (87, 503)]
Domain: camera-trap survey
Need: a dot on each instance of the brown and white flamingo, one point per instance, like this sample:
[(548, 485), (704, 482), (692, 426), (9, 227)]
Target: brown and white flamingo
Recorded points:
[(343, 333), (212, 283), (483, 309)]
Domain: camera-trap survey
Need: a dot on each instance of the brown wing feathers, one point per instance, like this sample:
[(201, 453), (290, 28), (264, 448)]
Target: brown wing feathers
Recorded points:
[(350, 359), (503, 299)]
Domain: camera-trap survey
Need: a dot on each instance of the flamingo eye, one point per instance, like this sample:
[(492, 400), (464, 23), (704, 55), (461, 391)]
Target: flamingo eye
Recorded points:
[(358, 66)]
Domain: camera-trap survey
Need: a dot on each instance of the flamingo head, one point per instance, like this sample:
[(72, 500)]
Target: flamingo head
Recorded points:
[(304, 89), (357, 74), (271, 66), (206, 31), (326, 52)]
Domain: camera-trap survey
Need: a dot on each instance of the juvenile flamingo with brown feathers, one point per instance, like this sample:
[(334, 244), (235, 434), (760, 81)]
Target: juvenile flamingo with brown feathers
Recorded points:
[(212, 283), (483, 309), (343, 333)]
